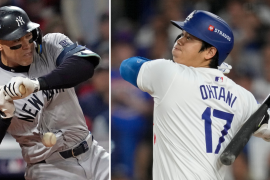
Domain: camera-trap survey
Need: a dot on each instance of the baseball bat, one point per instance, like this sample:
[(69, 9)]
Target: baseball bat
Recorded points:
[(22, 89), (239, 141)]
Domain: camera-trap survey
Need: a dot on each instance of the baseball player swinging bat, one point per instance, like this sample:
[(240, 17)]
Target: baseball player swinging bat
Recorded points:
[(243, 135), (40, 109)]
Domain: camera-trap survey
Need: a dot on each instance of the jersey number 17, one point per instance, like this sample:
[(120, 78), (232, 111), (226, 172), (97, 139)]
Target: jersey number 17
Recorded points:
[(228, 117)]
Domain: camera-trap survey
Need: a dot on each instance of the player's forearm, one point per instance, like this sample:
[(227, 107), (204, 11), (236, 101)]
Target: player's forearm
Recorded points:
[(4, 124), (70, 73)]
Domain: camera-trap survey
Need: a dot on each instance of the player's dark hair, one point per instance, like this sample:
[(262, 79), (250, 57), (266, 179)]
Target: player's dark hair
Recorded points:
[(214, 61)]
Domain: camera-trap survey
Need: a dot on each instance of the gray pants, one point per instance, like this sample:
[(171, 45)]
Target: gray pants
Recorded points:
[(92, 165)]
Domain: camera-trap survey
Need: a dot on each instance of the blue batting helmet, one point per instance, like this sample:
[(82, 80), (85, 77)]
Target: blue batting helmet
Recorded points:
[(211, 29)]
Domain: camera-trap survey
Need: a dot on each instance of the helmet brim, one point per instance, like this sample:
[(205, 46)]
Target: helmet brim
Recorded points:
[(181, 25), (178, 24), (20, 32)]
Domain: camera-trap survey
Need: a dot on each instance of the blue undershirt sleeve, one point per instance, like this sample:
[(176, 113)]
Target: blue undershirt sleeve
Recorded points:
[(130, 68)]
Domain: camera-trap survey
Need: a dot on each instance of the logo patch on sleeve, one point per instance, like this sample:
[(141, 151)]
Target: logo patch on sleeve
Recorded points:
[(64, 43)]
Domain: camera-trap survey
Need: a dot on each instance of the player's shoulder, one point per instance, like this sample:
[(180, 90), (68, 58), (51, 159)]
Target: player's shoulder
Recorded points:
[(161, 62), (241, 90), (54, 35), (162, 65), (165, 69), (235, 85), (56, 38)]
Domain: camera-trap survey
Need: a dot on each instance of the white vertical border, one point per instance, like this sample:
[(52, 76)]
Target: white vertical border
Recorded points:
[(110, 59)]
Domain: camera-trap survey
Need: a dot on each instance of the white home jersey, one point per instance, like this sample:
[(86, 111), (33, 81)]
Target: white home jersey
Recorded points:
[(56, 111), (197, 112)]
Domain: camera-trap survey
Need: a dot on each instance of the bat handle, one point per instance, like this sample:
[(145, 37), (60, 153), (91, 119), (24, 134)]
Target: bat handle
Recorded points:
[(22, 89)]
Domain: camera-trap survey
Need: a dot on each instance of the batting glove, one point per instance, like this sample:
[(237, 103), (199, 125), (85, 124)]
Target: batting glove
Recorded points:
[(12, 87), (7, 107), (225, 68), (264, 130)]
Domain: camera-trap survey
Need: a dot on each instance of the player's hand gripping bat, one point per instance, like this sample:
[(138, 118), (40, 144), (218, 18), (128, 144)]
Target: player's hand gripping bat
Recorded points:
[(12, 88), (22, 89), (243, 135)]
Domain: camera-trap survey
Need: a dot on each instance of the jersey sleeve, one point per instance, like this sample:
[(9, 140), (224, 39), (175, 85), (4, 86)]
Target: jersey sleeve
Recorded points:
[(53, 44), (57, 47), (155, 77)]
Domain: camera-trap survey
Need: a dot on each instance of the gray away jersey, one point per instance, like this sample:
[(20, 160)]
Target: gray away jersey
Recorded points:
[(56, 111)]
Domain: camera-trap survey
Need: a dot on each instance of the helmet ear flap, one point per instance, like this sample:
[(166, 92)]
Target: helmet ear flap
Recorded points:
[(37, 37)]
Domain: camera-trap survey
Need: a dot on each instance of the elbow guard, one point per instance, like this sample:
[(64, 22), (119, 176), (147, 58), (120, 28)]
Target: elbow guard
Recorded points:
[(130, 68)]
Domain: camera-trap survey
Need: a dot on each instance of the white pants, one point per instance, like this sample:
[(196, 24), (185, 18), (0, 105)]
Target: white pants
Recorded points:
[(91, 165)]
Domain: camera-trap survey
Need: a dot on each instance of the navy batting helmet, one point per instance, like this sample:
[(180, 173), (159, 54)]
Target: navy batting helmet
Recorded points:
[(14, 23), (211, 29)]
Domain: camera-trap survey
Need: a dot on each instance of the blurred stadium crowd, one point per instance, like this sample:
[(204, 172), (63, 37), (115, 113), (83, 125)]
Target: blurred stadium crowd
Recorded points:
[(84, 21), (142, 28)]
